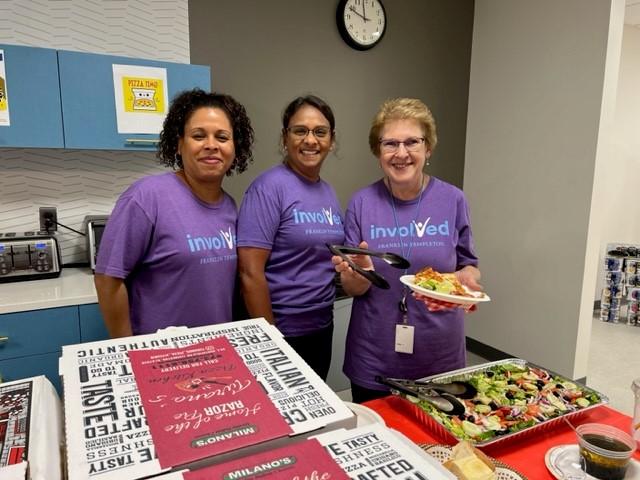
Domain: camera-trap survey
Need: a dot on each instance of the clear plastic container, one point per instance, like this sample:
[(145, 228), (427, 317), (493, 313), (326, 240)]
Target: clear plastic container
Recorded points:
[(604, 450), (635, 425)]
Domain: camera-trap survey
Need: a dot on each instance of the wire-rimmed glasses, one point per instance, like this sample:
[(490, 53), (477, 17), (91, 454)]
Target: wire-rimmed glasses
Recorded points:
[(391, 145), (300, 131)]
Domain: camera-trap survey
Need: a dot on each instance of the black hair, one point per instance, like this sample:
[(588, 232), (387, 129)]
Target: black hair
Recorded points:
[(315, 102), (183, 105)]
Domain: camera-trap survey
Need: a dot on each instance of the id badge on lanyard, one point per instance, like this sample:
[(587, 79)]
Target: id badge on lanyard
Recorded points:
[(404, 331)]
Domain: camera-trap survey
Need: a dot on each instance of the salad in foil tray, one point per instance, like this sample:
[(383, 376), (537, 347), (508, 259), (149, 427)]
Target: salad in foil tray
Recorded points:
[(510, 398)]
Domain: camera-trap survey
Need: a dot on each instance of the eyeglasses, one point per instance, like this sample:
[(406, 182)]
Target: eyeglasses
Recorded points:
[(300, 131), (412, 144)]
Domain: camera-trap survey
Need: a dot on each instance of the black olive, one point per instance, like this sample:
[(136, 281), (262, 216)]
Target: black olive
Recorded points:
[(509, 395), (557, 394), (489, 373), (501, 432), (559, 385), (494, 405), (540, 384)]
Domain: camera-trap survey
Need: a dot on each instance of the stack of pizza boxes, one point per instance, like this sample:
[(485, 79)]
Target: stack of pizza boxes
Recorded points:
[(30, 430), (225, 401), (186, 397)]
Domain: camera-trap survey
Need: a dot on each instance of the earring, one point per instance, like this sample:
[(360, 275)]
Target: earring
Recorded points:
[(428, 162)]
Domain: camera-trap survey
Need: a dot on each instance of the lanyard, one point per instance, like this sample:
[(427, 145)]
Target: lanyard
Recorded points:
[(402, 305)]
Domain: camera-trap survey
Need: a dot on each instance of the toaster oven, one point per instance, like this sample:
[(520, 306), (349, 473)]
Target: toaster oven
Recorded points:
[(94, 227), (28, 257)]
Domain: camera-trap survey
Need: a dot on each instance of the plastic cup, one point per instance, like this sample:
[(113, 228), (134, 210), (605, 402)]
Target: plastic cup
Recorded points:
[(604, 450)]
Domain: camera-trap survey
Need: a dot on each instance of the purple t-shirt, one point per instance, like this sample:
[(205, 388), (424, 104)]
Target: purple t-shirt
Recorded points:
[(176, 253), (294, 218), (440, 236)]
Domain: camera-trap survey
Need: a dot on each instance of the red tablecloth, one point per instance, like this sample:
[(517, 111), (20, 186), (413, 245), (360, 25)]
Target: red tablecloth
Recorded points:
[(525, 454)]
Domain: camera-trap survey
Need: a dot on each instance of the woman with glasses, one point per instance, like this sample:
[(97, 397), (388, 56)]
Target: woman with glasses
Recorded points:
[(424, 219), (287, 215)]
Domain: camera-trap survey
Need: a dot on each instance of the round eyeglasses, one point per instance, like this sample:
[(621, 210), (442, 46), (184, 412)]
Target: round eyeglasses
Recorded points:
[(300, 131), (391, 145)]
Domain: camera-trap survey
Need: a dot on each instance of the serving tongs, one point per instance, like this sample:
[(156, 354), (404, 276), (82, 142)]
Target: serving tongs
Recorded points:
[(437, 394), (374, 277)]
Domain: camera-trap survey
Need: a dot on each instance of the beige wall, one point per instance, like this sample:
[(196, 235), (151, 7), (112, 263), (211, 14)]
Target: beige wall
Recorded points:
[(265, 53), (540, 88)]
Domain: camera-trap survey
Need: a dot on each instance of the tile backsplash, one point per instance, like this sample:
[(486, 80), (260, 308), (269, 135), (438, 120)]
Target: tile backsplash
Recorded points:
[(76, 182)]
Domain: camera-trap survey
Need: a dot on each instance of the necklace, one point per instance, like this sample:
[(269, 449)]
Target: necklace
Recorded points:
[(402, 304)]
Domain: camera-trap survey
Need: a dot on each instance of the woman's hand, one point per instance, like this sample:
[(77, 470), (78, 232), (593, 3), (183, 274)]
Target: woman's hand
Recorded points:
[(469, 276), (352, 282)]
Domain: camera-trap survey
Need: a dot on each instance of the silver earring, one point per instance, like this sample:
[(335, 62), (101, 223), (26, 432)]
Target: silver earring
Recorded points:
[(428, 163)]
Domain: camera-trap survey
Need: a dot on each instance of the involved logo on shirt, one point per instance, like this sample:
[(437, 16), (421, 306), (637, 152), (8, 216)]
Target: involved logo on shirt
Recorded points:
[(415, 229), (225, 240), (323, 216)]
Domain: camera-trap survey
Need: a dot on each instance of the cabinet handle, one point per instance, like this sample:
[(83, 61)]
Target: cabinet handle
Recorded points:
[(4, 339), (143, 140)]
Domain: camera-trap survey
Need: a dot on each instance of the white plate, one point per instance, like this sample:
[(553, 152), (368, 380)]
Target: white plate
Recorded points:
[(442, 453), (563, 462), (478, 297), (364, 415)]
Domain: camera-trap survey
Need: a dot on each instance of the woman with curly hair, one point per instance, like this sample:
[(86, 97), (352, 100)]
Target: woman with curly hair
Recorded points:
[(168, 253)]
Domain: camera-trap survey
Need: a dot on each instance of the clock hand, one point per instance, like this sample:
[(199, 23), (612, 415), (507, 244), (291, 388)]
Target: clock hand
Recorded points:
[(358, 14), (364, 13)]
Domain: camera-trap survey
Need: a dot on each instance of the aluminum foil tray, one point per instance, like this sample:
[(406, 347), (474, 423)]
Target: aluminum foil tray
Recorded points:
[(465, 373)]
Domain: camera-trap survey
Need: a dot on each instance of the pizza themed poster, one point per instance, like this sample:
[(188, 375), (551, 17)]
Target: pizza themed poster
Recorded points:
[(141, 98), (202, 400), (4, 98)]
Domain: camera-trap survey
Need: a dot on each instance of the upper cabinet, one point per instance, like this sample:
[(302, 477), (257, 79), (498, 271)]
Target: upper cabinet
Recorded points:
[(33, 98), (62, 99), (88, 99)]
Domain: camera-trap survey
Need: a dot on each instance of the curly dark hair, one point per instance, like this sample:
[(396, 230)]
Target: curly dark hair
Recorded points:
[(183, 106)]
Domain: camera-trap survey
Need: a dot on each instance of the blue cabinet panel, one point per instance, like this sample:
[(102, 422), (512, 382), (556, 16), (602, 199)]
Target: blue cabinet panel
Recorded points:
[(23, 367), (92, 326), (38, 331), (34, 98), (88, 104)]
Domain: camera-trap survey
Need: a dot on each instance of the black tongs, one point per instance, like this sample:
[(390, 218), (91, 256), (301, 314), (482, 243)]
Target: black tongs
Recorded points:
[(374, 277), (443, 396)]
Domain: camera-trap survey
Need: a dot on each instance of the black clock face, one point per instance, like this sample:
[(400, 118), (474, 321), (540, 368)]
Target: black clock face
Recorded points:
[(361, 23)]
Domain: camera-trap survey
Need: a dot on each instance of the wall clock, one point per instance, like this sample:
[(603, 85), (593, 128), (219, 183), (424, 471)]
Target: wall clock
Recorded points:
[(361, 23)]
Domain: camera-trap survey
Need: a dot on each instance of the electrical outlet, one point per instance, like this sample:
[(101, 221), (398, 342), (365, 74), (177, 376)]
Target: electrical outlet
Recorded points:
[(48, 219)]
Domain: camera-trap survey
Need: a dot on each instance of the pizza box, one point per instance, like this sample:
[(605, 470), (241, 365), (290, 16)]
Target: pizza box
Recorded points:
[(372, 451), (106, 429), (30, 430)]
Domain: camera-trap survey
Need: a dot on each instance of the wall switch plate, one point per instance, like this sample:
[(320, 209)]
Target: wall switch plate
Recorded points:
[(48, 219)]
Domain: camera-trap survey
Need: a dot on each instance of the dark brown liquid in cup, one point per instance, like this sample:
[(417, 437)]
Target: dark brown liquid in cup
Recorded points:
[(601, 467)]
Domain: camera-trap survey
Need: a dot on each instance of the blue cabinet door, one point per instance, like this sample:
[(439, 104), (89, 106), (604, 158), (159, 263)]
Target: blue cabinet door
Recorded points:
[(38, 331), (31, 366), (88, 102), (33, 93), (92, 326)]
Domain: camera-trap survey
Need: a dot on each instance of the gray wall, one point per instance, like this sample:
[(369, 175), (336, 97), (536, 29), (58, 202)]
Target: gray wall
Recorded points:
[(265, 53), (541, 78)]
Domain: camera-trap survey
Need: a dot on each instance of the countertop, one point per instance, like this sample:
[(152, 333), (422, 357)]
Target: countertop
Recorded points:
[(73, 287)]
